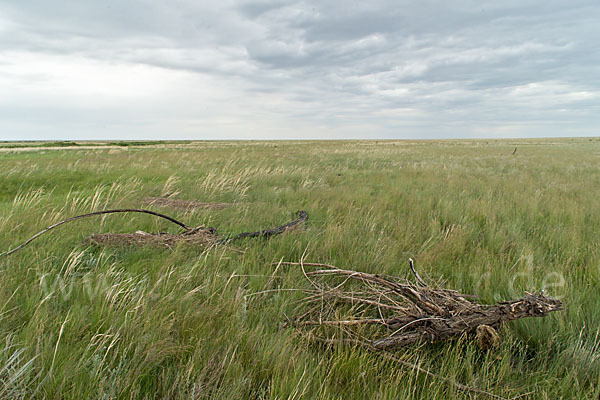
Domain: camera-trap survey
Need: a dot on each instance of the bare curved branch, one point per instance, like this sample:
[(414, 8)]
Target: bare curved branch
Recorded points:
[(122, 210)]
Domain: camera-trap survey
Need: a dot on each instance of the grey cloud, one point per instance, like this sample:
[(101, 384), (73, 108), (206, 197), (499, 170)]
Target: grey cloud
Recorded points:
[(331, 61), (253, 9)]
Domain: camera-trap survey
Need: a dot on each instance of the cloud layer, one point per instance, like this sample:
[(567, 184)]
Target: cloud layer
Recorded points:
[(143, 69)]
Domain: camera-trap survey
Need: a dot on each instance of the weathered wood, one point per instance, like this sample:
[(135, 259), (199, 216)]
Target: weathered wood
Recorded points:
[(200, 234), (302, 216), (123, 210), (439, 329), (415, 313)]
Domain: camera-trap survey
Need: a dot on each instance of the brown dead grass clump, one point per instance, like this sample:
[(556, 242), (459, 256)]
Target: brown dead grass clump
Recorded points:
[(198, 236), (183, 204)]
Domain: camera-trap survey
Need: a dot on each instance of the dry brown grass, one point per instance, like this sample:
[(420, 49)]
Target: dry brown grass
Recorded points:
[(201, 236), (183, 204)]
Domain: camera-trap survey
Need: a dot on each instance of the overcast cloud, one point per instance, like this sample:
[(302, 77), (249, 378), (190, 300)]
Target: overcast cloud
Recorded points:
[(188, 69)]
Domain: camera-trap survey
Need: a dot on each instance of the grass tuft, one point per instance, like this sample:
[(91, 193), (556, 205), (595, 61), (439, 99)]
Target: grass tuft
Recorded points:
[(80, 321)]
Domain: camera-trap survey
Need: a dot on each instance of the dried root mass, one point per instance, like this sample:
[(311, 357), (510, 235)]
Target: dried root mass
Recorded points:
[(386, 313)]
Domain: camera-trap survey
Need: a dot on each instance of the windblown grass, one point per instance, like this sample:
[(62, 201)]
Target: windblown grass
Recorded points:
[(81, 321)]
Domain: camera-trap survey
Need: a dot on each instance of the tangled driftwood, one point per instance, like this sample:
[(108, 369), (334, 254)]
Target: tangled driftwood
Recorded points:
[(385, 313), (197, 235)]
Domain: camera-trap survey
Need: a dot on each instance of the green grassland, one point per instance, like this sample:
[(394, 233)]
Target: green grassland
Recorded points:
[(79, 321)]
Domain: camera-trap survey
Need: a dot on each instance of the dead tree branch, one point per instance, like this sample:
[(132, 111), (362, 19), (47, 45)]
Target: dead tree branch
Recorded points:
[(302, 216), (199, 234), (124, 210), (382, 313)]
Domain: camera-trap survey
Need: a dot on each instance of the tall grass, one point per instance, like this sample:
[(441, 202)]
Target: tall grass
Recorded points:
[(78, 321)]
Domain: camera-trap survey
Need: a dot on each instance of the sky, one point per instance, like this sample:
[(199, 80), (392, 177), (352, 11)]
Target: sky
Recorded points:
[(327, 69)]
